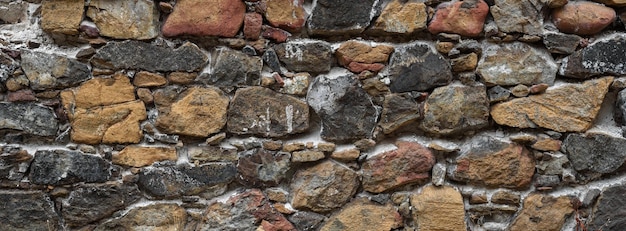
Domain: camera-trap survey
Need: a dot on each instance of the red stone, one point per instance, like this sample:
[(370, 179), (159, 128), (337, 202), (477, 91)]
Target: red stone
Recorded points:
[(276, 34), (205, 18), (252, 25), (583, 18), (460, 17), (357, 67), (21, 95)]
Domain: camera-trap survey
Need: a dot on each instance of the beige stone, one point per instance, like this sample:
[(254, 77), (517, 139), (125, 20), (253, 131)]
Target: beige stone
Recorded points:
[(117, 123), (547, 144), (439, 209), (307, 156), (137, 156), (364, 215), (129, 19), (149, 79), (100, 92), (62, 16), (402, 18), (465, 63), (543, 212), (347, 155)]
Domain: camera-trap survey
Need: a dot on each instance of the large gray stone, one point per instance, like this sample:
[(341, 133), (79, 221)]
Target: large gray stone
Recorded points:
[(519, 16), (181, 180), (305, 55), (52, 71), (12, 11), (14, 162), (262, 168), (89, 203), (132, 19), (7, 67), (455, 109), (28, 117), (561, 43), (61, 167), (330, 17), (593, 154), (605, 57), (231, 68), (516, 63), (608, 213), (27, 211), (323, 187), (418, 67)]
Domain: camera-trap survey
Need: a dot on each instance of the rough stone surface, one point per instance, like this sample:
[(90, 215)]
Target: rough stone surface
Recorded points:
[(519, 16), (401, 17), (323, 187), (261, 111), (62, 17), (7, 66), (491, 162), (12, 12), (498, 94), (89, 203), (286, 14), (232, 68), (583, 18), (561, 43), (620, 108), (543, 212), (298, 85), (252, 24), (439, 208), (516, 63), (608, 212), (307, 156), (555, 109), (28, 117), (67, 167), (398, 111), (148, 79), (197, 111), (418, 67), (410, 163), (136, 55), (465, 18), (14, 163), (595, 153), (306, 221), (138, 156), (600, 58), (205, 18), (305, 55), (205, 154), (166, 217), (22, 211), (362, 214), (261, 168), (618, 3), (345, 109), (341, 17), (134, 19), (52, 71), (354, 55), (454, 109), (180, 180)]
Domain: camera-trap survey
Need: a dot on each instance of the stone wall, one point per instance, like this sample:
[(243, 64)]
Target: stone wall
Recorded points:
[(312, 115)]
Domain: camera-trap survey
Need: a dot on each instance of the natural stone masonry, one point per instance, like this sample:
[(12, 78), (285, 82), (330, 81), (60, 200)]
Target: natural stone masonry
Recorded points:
[(50, 71), (135, 19), (542, 212), (27, 211), (438, 208), (63, 16), (399, 17), (66, 167), (454, 109), (417, 67), (28, 117), (516, 63), (205, 18), (600, 58)]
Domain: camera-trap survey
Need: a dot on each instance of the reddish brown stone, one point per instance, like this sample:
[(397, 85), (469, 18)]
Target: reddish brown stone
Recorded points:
[(252, 25), (21, 95), (359, 56), (275, 34), (360, 67), (460, 17), (205, 18), (410, 163), (583, 18), (285, 14)]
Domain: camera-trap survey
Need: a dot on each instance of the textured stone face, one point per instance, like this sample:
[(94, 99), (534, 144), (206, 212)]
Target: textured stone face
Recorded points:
[(356, 56), (205, 18), (516, 63), (594, 154), (410, 163), (30, 118), (62, 16), (417, 67), (232, 68), (152, 217), (133, 19), (305, 55), (68, 167), (601, 58), (439, 208), (261, 168), (583, 18), (543, 212), (488, 161), (137, 156), (400, 17), (27, 211), (51, 71), (89, 203), (524, 16), (561, 43), (323, 187), (261, 111), (555, 109), (12, 12), (176, 181), (198, 111), (607, 213), (460, 17), (399, 110), (364, 215), (286, 14), (331, 17), (455, 109)]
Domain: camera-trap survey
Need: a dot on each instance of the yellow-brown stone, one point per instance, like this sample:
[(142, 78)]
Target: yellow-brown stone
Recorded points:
[(62, 16), (402, 17), (137, 156), (543, 212), (100, 92), (364, 215), (439, 208), (149, 79), (285, 14)]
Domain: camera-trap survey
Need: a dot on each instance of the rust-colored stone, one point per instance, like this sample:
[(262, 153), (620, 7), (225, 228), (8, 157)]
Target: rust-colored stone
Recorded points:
[(583, 18), (205, 18)]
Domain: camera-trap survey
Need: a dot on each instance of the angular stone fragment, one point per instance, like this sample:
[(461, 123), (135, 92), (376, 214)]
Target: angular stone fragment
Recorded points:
[(555, 109), (398, 111), (400, 17), (261, 111), (62, 16), (89, 203), (439, 208), (12, 12), (498, 94), (356, 56), (525, 16), (232, 68), (101, 91), (620, 108), (151, 217), (286, 14), (197, 111), (595, 153), (455, 109), (138, 156), (51, 71), (607, 214), (297, 85), (410, 163), (306, 221), (491, 162), (261, 168), (14, 163), (603, 57), (28, 117), (341, 17), (148, 79), (67, 167), (205, 18), (307, 156), (465, 18), (136, 55), (561, 43), (133, 19), (205, 154), (182, 180), (583, 18), (516, 63), (543, 212), (418, 67), (323, 187), (362, 214), (465, 62), (252, 23), (27, 210), (305, 55), (7, 66), (345, 109)]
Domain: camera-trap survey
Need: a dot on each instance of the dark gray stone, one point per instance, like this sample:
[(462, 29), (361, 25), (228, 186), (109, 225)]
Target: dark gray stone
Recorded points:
[(27, 211), (7, 67), (593, 154), (330, 17), (398, 111), (590, 197), (138, 55), (231, 68), (498, 94), (28, 117), (605, 57), (271, 60), (609, 214), (620, 108), (547, 181), (14, 163), (560, 43), (262, 168), (417, 67), (89, 203), (51, 71), (306, 221), (305, 55), (182, 180), (345, 109), (61, 167)]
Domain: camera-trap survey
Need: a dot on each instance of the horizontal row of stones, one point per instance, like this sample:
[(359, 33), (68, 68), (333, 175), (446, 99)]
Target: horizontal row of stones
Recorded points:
[(139, 19)]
